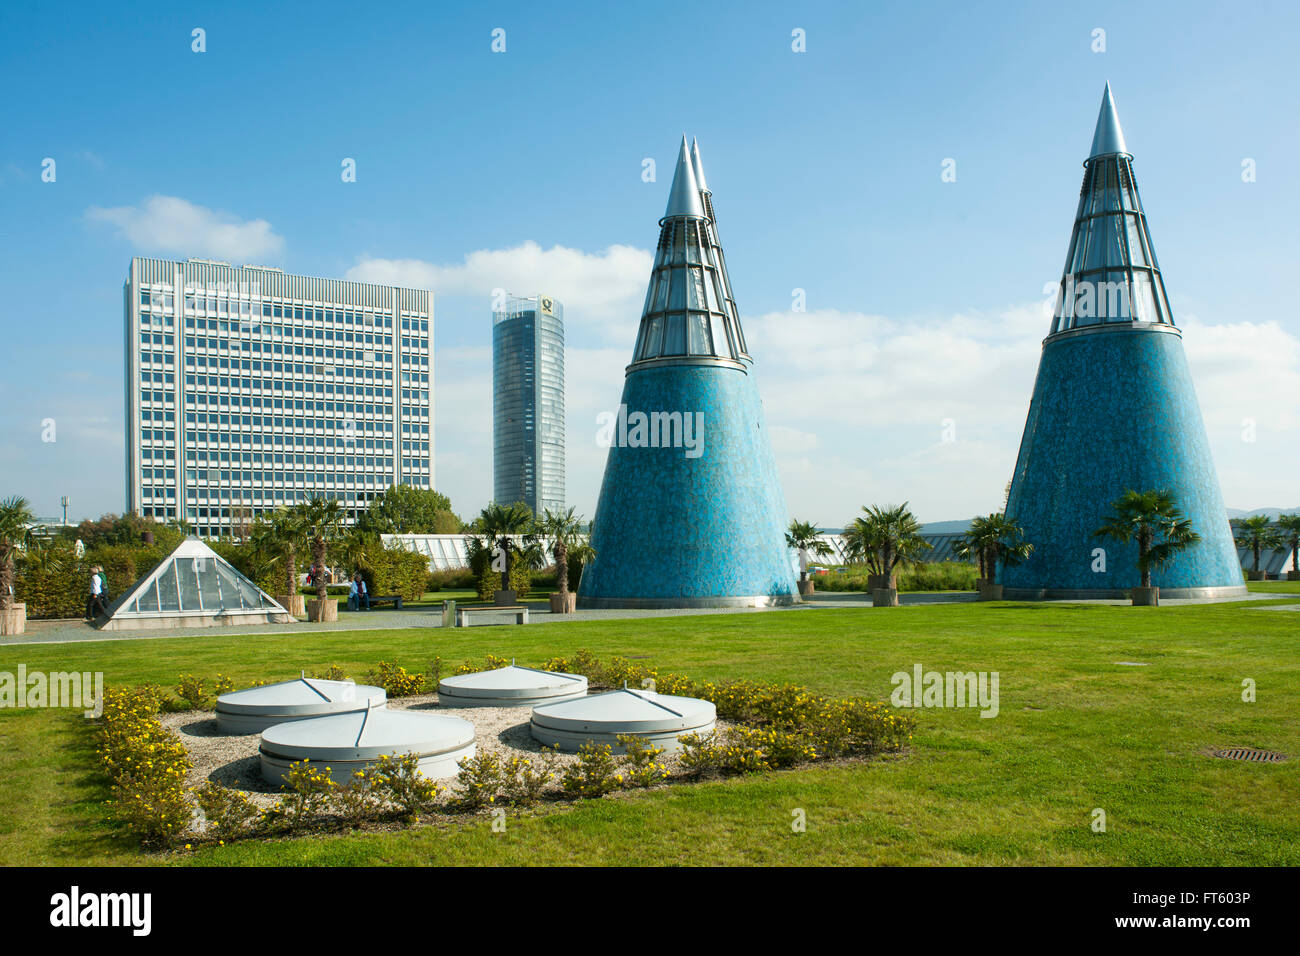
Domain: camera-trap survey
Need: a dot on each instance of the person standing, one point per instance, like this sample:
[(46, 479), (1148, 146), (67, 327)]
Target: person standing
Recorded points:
[(353, 595)]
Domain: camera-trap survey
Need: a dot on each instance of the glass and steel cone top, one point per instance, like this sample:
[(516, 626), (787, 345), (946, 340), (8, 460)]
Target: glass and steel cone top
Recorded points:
[(1111, 273), (690, 314)]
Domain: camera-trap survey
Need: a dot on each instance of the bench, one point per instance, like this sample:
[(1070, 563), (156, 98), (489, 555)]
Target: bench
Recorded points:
[(393, 599), (520, 614)]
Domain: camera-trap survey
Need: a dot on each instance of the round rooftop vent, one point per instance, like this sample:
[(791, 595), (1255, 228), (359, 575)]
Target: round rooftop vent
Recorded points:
[(253, 710), (511, 686), (600, 718), (346, 743)]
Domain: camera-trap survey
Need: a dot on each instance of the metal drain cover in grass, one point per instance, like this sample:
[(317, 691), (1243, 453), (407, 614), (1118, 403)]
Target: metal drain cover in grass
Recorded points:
[(1252, 754)]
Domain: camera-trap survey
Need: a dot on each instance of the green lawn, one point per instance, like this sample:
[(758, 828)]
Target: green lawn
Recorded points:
[(1076, 731)]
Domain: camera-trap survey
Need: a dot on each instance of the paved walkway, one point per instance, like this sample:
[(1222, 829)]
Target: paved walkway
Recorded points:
[(63, 632)]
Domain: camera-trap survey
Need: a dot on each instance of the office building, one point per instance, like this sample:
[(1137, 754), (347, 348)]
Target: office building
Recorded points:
[(528, 403), (248, 388)]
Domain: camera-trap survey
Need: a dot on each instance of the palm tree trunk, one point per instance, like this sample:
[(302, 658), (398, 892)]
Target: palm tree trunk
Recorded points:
[(7, 579), (291, 574), (318, 559), (1144, 545), (562, 566), (1255, 549)]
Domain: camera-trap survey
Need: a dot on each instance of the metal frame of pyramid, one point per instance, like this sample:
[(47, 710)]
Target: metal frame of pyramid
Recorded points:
[(193, 587)]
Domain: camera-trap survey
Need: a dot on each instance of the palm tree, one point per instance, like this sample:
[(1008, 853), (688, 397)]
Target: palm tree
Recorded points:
[(994, 541), (278, 538), (1288, 529), (885, 538), (804, 536), (498, 524), (564, 529), (323, 520), (15, 516), (1152, 519), (1258, 534)]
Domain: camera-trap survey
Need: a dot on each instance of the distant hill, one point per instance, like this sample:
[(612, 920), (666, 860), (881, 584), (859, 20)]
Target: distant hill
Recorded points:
[(1271, 512)]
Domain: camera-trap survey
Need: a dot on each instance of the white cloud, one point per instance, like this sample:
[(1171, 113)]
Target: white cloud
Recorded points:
[(169, 224), (599, 290)]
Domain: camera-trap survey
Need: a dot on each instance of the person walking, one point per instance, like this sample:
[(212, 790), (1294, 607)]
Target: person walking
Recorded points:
[(95, 603)]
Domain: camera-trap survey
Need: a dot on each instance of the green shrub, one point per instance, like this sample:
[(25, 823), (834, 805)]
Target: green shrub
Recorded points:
[(487, 581), (926, 576), (594, 774), (642, 766), (482, 780), (333, 672), (147, 764), (395, 680), (527, 777), (394, 570), (310, 793), (192, 692), (451, 579), (361, 800), (229, 812), (398, 783)]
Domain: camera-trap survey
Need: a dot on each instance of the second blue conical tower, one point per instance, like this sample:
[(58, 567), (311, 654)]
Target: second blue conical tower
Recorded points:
[(690, 512), (1113, 409)]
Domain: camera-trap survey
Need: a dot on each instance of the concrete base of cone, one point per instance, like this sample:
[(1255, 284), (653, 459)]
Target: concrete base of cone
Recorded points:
[(1293, 575), (326, 610), (1256, 576), (884, 597), (1146, 597), (990, 592)]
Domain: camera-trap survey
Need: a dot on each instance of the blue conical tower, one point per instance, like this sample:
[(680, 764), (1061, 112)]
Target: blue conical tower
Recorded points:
[(690, 512), (1113, 409)]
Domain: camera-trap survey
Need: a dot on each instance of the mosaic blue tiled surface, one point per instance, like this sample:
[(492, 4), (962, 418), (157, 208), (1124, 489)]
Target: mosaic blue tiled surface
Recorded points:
[(1111, 411), (667, 526)]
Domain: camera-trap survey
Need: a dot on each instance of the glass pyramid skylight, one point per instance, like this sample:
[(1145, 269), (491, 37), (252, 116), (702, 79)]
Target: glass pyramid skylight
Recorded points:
[(193, 581), (1111, 273)]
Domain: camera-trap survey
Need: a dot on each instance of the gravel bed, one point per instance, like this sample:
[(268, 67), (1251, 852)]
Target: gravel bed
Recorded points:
[(233, 760)]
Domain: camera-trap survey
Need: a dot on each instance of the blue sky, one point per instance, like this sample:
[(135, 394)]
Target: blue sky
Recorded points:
[(923, 296)]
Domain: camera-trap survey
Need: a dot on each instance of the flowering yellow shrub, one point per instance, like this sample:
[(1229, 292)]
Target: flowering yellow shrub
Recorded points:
[(395, 680), (594, 774), (642, 764), (147, 764)]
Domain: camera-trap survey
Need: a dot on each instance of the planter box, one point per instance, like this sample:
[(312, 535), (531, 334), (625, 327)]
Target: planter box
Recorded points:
[(1146, 597), (326, 610), (990, 592), (884, 597), (1256, 575), (505, 599), (806, 587), (295, 604), (564, 603), (14, 620), (881, 581)]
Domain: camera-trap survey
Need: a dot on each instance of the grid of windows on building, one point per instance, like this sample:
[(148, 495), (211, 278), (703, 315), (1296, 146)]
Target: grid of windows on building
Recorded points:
[(528, 425), (250, 389)]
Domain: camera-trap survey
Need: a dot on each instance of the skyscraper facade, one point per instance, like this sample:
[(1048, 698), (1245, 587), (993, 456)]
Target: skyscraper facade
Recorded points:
[(528, 424), (248, 388)]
